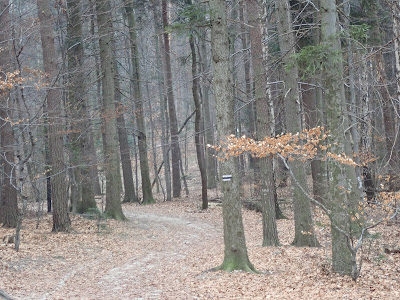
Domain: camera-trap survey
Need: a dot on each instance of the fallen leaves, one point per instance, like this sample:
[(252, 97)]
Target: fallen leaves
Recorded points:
[(165, 250)]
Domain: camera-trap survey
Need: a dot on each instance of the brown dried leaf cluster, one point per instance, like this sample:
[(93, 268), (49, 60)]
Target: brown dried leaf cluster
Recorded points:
[(303, 146)]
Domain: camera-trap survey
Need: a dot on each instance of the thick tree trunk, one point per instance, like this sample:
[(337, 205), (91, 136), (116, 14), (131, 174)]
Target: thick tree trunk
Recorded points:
[(343, 189), (235, 257), (8, 198), (61, 221), (141, 128), (111, 153), (81, 129), (263, 129), (304, 231), (173, 122)]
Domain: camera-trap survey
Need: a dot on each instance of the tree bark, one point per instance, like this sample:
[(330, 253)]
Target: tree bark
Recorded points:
[(263, 129), (304, 230), (235, 255), (8, 198), (127, 175), (211, 162), (61, 221), (343, 190), (81, 129), (173, 122), (197, 126), (111, 153), (139, 113), (163, 100)]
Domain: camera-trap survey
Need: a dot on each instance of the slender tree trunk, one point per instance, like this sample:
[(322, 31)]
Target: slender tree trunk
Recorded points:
[(211, 162), (396, 33), (173, 122), (94, 172), (141, 128), (314, 109), (271, 114), (270, 233), (235, 257), (197, 126), (366, 131), (388, 118), (61, 221), (129, 187), (351, 103), (163, 101), (111, 153), (304, 230)]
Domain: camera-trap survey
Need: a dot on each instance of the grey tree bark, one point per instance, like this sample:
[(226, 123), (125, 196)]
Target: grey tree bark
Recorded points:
[(61, 221), (158, 42), (81, 129), (111, 153), (211, 162), (197, 126), (343, 190), (8, 192), (235, 255), (173, 122), (127, 175), (139, 113), (304, 230), (263, 129)]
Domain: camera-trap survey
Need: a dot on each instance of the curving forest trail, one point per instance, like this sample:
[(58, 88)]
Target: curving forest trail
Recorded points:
[(164, 251)]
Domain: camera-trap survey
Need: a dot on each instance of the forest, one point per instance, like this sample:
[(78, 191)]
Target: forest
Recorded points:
[(199, 149)]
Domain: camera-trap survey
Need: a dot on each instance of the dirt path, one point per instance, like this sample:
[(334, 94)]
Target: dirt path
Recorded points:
[(143, 258), (174, 242)]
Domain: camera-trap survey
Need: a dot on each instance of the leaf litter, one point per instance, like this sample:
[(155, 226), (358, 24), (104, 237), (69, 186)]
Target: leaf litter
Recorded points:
[(164, 251)]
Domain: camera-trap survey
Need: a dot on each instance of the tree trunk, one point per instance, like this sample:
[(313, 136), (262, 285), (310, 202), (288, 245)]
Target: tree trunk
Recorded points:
[(8, 200), (129, 187), (343, 188), (173, 122), (304, 231), (141, 128), (388, 118), (111, 153), (211, 162), (61, 221), (235, 256), (81, 129), (263, 129), (197, 126), (163, 101)]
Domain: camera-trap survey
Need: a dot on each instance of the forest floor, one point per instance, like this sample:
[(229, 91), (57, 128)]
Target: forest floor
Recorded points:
[(164, 251)]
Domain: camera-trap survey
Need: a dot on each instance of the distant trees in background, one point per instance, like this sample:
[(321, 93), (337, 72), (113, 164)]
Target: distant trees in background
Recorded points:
[(93, 88)]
